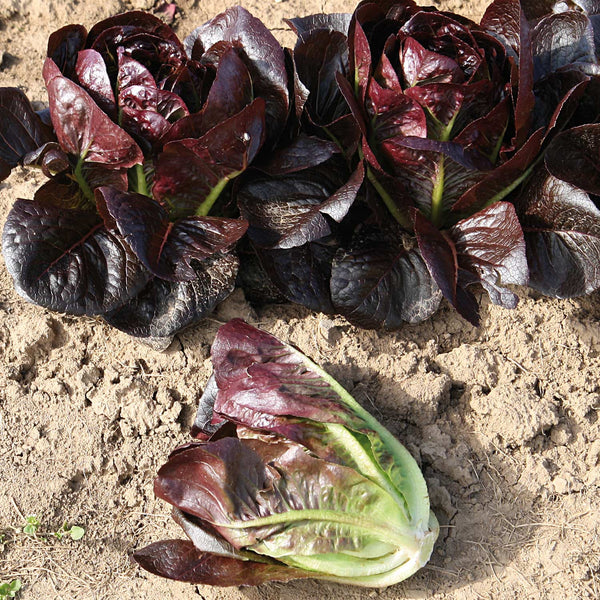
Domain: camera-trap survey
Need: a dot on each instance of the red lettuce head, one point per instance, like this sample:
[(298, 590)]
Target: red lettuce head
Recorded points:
[(433, 153), (147, 133)]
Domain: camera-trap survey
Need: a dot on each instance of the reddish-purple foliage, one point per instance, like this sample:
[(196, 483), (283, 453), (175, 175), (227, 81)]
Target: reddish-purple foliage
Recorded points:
[(471, 152), (146, 133)]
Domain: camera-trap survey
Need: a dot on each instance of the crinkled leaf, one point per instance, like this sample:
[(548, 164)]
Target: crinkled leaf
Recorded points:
[(141, 36), (21, 130), (147, 111), (187, 171), (82, 128), (562, 233), (490, 245), (560, 40), (574, 157), (289, 210), (378, 282), (420, 65), (440, 255), (165, 248), (302, 273), (330, 22), (66, 260), (163, 307), (262, 54)]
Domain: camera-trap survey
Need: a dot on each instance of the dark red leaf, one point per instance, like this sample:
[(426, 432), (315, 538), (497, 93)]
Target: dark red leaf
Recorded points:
[(64, 46), (320, 57), (560, 40), (380, 283), (230, 92), (490, 245), (330, 22), (82, 128), (440, 255), (21, 130), (188, 170), (93, 77), (302, 274), (167, 249), (66, 260), (574, 157), (288, 211), (303, 153), (420, 65), (562, 233), (163, 307), (262, 54), (182, 561)]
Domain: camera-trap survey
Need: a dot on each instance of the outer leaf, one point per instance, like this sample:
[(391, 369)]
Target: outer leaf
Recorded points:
[(490, 245), (574, 157), (440, 255), (562, 233), (234, 487), (381, 283), (189, 171), (182, 561), (167, 249), (66, 260), (82, 128), (260, 380), (21, 130), (163, 308), (302, 273)]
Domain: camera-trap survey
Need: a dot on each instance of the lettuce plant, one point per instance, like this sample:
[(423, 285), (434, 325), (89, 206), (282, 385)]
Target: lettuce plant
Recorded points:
[(429, 157), (142, 137), (290, 478)]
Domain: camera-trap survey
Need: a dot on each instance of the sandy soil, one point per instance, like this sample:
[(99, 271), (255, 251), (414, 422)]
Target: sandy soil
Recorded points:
[(503, 419)]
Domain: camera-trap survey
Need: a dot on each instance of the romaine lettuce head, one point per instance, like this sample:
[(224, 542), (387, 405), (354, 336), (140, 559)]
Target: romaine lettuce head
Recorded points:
[(290, 478)]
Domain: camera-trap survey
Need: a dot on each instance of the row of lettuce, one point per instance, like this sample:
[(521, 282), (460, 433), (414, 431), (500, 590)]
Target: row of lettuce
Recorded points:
[(395, 156)]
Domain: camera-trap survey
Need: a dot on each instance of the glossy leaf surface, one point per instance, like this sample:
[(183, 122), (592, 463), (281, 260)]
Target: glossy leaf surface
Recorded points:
[(66, 260)]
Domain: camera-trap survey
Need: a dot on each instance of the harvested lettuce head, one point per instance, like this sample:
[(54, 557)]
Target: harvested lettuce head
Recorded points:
[(290, 478)]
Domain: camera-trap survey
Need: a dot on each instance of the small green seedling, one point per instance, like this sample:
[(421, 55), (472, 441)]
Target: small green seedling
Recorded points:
[(9, 590), (32, 524), (74, 532)]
